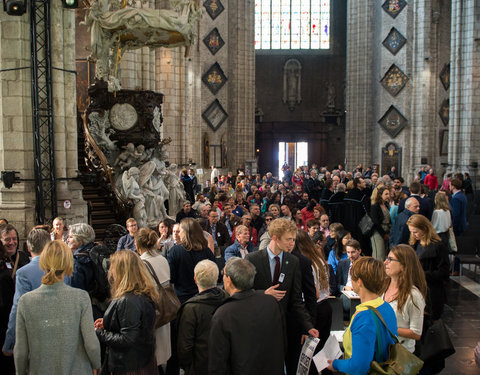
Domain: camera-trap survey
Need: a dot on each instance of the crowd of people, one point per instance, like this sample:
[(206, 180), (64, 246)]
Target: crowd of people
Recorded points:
[(253, 260)]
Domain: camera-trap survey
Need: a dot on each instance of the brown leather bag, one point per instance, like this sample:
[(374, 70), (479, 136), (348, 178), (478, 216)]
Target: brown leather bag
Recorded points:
[(167, 309)]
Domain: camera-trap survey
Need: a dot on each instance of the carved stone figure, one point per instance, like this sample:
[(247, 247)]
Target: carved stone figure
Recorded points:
[(101, 130), (331, 95), (131, 190), (292, 75), (116, 26), (154, 191), (176, 190), (126, 158)]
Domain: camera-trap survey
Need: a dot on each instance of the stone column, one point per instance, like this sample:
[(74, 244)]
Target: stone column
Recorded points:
[(360, 122), (241, 86), (464, 128)]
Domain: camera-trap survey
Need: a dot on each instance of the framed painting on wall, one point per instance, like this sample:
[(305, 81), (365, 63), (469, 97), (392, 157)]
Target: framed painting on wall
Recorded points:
[(394, 41), (214, 8), (443, 142), (445, 111), (215, 115), (214, 78), (394, 7), (445, 76), (393, 121), (394, 80), (214, 41)]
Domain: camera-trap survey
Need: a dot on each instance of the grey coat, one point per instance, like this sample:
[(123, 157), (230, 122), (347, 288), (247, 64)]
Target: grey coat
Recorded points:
[(55, 333)]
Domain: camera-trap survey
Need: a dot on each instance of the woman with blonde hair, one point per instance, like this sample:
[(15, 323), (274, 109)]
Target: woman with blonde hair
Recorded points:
[(320, 268), (183, 258), (127, 328), (145, 242), (66, 345), (406, 292), (442, 218), (433, 256), (59, 231)]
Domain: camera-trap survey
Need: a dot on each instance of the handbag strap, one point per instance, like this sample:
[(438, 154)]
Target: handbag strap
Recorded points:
[(152, 272), (15, 267), (379, 352), (379, 316)]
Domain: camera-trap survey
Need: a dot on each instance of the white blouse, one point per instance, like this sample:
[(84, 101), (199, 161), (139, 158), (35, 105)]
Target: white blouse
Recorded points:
[(441, 220), (411, 317)]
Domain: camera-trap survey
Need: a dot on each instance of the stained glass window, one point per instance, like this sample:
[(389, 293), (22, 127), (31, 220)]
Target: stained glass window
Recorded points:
[(292, 24)]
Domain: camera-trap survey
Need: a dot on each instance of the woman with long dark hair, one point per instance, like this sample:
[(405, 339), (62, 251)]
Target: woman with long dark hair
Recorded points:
[(183, 258), (380, 214), (406, 291), (340, 251), (127, 328), (433, 255)]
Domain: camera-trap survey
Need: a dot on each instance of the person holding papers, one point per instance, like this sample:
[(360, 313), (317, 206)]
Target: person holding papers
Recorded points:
[(359, 341)]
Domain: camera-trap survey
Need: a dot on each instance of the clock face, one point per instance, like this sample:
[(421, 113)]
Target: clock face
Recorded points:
[(123, 116)]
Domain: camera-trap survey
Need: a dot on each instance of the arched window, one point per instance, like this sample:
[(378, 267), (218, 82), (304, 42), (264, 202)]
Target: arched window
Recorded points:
[(292, 24)]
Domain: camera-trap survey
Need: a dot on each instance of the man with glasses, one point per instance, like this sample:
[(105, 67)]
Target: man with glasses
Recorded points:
[(128, 241), (219, 232)]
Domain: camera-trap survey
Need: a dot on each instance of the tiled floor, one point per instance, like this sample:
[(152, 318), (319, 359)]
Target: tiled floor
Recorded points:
[(462, 317)]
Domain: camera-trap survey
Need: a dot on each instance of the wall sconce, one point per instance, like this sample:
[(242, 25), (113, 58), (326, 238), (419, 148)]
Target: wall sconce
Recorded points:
[(15, 7)]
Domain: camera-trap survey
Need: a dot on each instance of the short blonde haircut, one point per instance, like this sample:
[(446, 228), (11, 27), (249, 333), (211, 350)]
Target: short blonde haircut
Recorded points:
[(372, 273), (240, 229), (279, 227), (56, 259), (206, 274), (130, 220)]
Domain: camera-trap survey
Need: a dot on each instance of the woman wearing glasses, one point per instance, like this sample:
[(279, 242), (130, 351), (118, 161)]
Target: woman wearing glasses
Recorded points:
[(433, 255), (406, 290)]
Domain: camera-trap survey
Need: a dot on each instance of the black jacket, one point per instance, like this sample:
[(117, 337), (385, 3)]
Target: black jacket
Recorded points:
[(356, 206), (336, 207), (129, 333), (246, 336), (376, 214), (194, 318), (435, 263)]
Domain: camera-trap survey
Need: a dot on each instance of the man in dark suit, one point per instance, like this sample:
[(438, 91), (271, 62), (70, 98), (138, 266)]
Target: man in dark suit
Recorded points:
[(245, 335), (279, 275), (219, 232), (458, 205), (399, 233), (426, 204)]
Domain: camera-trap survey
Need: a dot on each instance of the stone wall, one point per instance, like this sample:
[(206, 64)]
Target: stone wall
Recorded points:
[(16, 141), (429, 47)]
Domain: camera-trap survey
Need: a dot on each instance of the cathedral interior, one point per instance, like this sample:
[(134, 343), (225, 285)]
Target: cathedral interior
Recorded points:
[(92, 88)]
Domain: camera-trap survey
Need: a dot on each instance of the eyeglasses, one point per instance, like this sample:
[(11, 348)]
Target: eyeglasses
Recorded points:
[(390, 260), (268, 219)]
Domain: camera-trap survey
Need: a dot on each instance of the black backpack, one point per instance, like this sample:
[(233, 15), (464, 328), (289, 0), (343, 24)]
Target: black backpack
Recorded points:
[(100, 257)]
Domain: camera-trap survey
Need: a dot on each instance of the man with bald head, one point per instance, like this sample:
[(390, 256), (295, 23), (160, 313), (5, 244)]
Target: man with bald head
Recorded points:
[(399, 232)]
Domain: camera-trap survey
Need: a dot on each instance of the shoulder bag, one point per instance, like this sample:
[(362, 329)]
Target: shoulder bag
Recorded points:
[(167, 309), (451, 240), (400, 360), (366, 223)]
